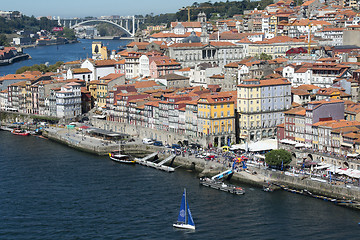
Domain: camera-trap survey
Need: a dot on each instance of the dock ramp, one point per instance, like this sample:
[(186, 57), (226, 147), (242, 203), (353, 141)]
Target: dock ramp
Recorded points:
[(169, 158), (146, 162), (222, 174)]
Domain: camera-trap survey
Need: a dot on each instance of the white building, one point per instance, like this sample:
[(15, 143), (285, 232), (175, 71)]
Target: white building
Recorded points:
[(4, 99), (80, 73), (318, 74), (99, 68), (331, 36), (200, 74), (68, 101)]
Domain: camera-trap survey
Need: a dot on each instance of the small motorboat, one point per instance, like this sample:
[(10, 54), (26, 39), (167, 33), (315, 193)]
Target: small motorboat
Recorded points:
[(20, 132)]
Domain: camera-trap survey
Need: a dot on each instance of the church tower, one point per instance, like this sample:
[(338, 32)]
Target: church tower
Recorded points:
[(201, 17)]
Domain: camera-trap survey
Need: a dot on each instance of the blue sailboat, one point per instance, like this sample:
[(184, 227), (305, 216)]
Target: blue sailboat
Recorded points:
[(185, 220)]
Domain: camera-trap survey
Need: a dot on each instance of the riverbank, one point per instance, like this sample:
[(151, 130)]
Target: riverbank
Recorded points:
[(254, 175), (20, 57)]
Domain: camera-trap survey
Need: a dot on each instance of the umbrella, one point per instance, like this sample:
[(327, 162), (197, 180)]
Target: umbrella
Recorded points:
[(84, 127)]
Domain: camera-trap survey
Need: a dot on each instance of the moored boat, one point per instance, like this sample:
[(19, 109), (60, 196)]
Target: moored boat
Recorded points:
[(20, 132), (216, 184), (121, 158)]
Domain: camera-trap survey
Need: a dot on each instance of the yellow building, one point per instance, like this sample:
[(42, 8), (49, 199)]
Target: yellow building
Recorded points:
[(216, 116), (99, 52), (102, 92), (276, 47), (92, 88)]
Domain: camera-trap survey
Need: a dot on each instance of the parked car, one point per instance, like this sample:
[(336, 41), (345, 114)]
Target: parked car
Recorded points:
[(147, 141), (175, 146), (158, 143), (194, 146)]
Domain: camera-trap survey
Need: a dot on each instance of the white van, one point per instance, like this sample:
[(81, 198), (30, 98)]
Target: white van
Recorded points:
[(147, 141)]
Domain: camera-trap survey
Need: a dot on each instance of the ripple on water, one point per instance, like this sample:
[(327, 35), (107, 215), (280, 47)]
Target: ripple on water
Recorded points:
[(51, 191)]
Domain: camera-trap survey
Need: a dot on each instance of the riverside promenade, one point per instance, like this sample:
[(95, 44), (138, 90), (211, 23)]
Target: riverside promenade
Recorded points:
[(256, 175)]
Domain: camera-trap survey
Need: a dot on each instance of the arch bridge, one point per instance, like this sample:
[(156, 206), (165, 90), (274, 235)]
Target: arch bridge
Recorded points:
[(129, 24)]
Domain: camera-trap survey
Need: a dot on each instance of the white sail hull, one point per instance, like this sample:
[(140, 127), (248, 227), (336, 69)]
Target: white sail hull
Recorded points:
[(183, 226)]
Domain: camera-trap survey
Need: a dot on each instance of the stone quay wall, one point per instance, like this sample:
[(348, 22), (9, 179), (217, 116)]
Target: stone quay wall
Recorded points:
[(141, 132), (319, 188)]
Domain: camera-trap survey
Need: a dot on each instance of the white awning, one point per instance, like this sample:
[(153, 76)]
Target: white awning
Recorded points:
[(346, 144), (308, 145), (288, 141), (323, 166), (99, 116), (299, 145), (353, 173), (353, 155), (259, 156)]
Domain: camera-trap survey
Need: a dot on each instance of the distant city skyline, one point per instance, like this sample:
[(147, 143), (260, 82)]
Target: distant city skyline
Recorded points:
[(95, 8)]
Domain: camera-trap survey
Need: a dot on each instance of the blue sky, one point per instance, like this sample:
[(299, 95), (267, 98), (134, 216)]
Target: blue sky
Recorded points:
[(82, 8)]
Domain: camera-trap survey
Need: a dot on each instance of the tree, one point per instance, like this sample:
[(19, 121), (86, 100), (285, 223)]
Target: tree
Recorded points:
[(67, 33), (42, 68), (264, 56), (278, 158), (3, 40), (102, 31)]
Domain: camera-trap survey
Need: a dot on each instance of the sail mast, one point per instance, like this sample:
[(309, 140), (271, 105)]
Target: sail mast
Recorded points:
[(185, 207)]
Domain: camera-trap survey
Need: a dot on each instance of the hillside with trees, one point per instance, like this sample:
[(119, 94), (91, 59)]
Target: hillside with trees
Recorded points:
[(8, 26), (213, 11)]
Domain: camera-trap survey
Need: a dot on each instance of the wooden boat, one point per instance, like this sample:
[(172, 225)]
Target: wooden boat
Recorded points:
[(117, 157)]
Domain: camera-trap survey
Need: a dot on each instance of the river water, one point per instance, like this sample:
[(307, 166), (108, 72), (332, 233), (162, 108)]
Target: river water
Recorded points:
[(64, 53), (50, 191)]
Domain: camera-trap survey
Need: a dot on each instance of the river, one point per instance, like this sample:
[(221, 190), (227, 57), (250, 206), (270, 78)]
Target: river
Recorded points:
[(64, 53), (50, 191)]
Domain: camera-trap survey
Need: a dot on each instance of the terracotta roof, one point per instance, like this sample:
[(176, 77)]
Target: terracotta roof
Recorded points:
[(81, 70), (266, 82), (145, 84), (73, 62), (218, 76), (184, 69), (173, 76), (187, 24), (296, 111), (186, 45), (220, 97), (337, 123), (307, 87), (112, 76), (166, 62), (279, 39), (105, 63), (354, 108), (300, 92)]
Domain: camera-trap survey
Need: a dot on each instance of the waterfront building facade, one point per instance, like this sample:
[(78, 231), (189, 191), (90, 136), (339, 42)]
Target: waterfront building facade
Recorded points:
[(68, 101), (261, 105), (216, 117)]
